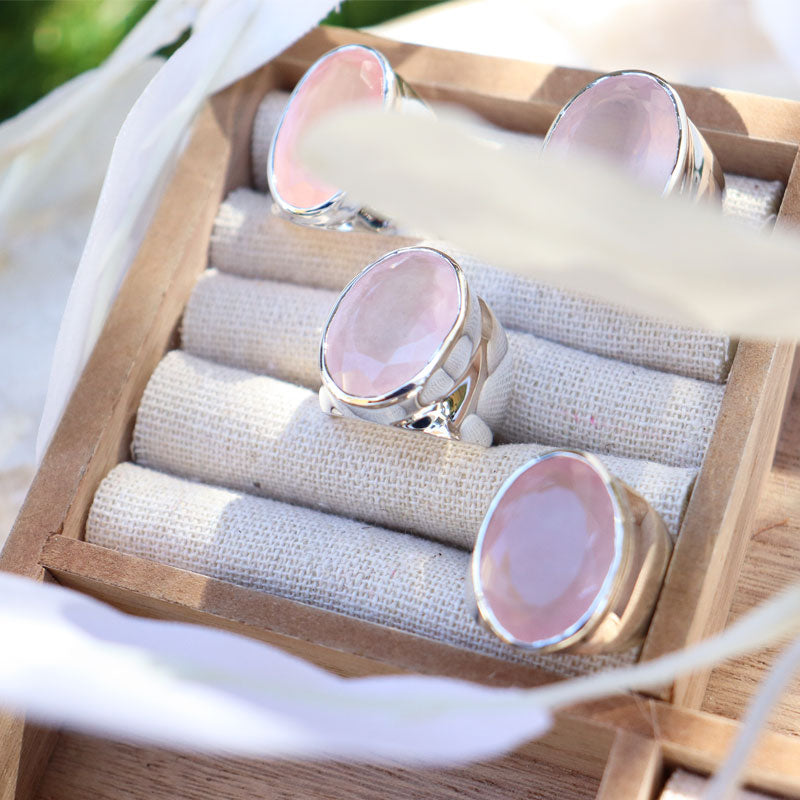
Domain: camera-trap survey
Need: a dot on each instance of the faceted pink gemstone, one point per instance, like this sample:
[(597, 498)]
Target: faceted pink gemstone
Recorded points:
[(548, 548), (343, 77), (391, 322), (631, 119)]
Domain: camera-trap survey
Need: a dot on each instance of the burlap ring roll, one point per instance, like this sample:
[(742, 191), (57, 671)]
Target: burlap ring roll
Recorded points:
[(250, 241), (338, 564), (257, 434), (559, 396)]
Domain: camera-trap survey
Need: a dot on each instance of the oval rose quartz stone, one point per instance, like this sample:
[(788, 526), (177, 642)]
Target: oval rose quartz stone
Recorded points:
[(391, 321), (548, 548), (353, 75), (631, 119)]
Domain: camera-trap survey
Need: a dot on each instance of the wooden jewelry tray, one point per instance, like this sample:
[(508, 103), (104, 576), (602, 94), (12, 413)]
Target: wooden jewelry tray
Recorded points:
[(619, 748)]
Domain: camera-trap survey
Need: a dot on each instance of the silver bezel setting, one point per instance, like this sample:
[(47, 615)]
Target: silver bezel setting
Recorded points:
[(337, 212), (415, 385), (605, 598), (447, 390), (695, 172)]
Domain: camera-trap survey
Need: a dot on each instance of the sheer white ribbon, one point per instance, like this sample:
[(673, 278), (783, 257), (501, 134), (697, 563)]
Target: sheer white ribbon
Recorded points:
[(581, 224), (229, 39), (78, 663)]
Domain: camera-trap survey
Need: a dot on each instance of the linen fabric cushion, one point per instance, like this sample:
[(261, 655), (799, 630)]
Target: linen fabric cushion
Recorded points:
[(251, 241), (560, 396), (334, 563), (567, 317), (254, 433)]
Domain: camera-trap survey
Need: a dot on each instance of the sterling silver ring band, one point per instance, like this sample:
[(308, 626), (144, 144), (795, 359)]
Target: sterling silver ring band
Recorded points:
[(568, 558), (638, 119), (407, 344), (352, 74)]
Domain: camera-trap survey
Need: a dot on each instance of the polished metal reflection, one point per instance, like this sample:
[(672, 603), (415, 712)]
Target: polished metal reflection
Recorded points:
[(339, 212), (697, 172), (452, 389)]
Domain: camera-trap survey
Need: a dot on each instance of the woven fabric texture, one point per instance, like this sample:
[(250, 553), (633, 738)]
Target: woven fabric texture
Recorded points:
[(381, 576), (250, 240), (559, 396), (266, 120), (253, 433), (563, 316)]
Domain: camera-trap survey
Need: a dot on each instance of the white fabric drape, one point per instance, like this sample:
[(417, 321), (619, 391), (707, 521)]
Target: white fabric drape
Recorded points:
[(229, 39)]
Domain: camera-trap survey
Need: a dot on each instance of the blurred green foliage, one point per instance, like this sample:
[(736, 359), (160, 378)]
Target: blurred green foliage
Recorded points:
[(361, 13), (46, 42)]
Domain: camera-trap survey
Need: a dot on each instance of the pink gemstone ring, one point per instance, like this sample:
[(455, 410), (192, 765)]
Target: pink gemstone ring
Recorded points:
[(407, 344), (349, 75), (638, 120), (568, 558)]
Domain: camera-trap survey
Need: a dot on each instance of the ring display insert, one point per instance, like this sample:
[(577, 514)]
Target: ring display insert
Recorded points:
[(222, 410), (240, 492)]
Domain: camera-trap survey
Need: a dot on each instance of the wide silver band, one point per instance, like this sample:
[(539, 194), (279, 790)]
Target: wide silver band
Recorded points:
[(338, 212), (625, 604), (697, 172), (701, 176), (463, 392)]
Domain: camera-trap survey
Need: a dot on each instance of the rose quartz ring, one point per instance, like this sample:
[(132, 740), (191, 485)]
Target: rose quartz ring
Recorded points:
[(568, 558), (349, 75), (637, 119), (408, 345)]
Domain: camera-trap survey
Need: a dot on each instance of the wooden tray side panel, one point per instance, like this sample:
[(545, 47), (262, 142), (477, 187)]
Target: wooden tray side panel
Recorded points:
[(437, 72), (345, 645), (634, 770), (25, 750), (708, 556), (789, 216), (95, 430), (92, 768), (772, 564), (699, 742)]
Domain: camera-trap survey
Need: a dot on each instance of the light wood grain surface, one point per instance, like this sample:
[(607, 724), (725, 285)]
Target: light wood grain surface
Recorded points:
[(83, 768), (634, 771), (772, 562)]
